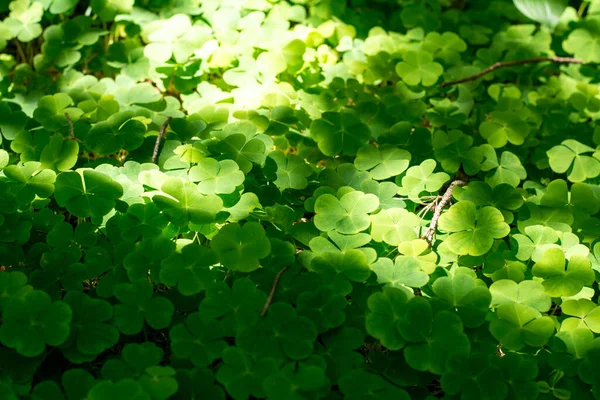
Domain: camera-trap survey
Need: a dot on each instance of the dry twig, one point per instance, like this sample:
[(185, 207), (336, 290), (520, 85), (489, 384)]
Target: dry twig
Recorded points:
[(272, 292), (430, 232), (504, 64), (161, 134)]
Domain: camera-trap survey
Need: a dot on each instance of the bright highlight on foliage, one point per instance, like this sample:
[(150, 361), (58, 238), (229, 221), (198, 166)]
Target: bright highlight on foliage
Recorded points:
[(299, 199)]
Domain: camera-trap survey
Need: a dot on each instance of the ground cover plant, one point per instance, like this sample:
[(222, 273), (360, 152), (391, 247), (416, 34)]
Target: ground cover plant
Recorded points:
[(303, 199)]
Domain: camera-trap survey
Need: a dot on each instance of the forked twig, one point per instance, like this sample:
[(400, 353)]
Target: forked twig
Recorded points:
[(503, 64), (430, 232), (161, 134), (272, 292), (71, 129)]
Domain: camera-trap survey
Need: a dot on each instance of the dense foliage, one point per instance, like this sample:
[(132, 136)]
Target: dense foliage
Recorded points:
[(328, 214)]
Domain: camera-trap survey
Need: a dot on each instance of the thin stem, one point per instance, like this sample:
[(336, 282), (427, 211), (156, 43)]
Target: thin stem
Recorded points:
[(582, 8), (71, 129), (430, 232), (161, 133), (504, 64), (272, 292), (20, 51)]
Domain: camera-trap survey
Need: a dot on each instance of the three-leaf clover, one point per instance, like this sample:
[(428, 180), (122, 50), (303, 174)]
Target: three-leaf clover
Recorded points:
[(473, 231), (421, 178), (241, 247), (561, 280), (347, 215), (419, 67), (138, 305), (216, 177), (188, 269), (383, 162), (32, 321), (292, 170), (339, 132), (504, 127), (404, 271), (568, 157), (518, 325)]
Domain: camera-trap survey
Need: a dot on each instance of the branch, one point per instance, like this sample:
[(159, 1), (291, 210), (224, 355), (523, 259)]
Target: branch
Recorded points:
[(428, 235), (161, 134), (504, 64), (71, 129), (272, 292)]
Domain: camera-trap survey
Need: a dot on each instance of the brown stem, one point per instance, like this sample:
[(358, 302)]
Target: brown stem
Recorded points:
[(504, 64), (430, 232), (272, 292), (161, 133)]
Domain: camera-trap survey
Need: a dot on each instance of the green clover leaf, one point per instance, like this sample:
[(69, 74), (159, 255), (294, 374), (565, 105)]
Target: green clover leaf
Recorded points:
[(243, 376), (240, 248), (421, 178), (30, 181), (189, 269), (292, 170), (466, 295), (455, 148), (529, 293), (518, 325), (546, 12), (386, 307), (568, 157), (473, 231), (12, 285), (394, 226), (347, 215), (91, 332), (119, 132), (337, 133), (383, 162), (504, 127), (59, 154), (24, 18), (138, 305), (135, 359), (419, 67), (33, 321), (237, 307), (183, 203), (199, 340), (508, 170), (51, 110), (281, 334), (324, 307), (404, 271), (216, 177), (560, 280), (87, 194), (586, 313), (121, 390), (535, 242), (584, 43)]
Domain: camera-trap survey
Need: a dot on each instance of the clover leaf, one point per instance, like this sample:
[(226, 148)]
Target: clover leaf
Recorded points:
[(188, 269), (504, 127), (383, 162), (241, 247), (529, 293), (568, 157), (337, 133), (24, 18), (33, 321), (118, 132), (92, 332), (403, 272), (121, 390), (586, 313), (292, 170), (242, 376), (561, 280), (421, 178), (419, 67), (216, 177), (473, 231), (534, 244), (583, 42), (87, 194), (466, 295), (51, 111), (394, 226), (385, 308), (347, 215), (199, 340), (518, 325), (281, 334), (138, 305), (455, 149), (183, 203)]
